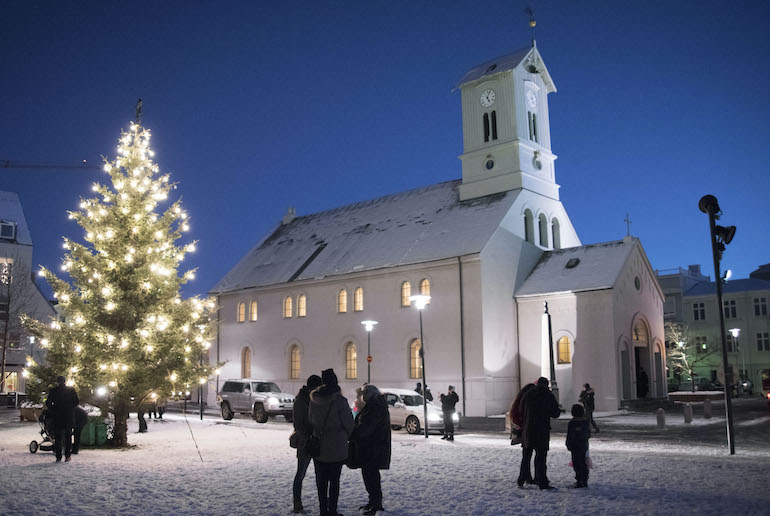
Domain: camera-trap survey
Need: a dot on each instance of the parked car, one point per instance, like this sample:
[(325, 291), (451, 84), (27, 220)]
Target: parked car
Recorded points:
[(259, 398), (701, 384), (406, 411)]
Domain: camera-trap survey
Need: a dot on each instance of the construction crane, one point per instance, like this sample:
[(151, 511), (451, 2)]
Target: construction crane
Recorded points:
[(47, 164)]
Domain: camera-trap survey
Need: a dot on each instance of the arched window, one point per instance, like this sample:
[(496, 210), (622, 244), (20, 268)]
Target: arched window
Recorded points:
[(556, 231), (543, 223), (302, 306), (241, 313), (494, 125), (294, 364), (529, 226), (640, 333), (253, 311), (358, 300), (342, 301), (406, 292), (351, 361), (246, 363), (425, 288), (287, 308), (415, 364), (565, 356), (486, 127), (532, 126)]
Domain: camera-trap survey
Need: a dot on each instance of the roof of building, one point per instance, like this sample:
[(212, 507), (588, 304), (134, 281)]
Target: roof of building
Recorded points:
[(729, 287), (495, 66), (11, 211), (415, 226), (576, 269), (762, 272)]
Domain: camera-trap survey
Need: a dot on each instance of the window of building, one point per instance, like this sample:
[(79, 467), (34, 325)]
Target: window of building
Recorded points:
[(246, 363), (760, 306), (287, 307), (542, 222), (241, 313), (302, 306), (6, 264), (415, 364), (729, 308), (294, 365), (486, 127), (763, 341), (564, 352), (701, 344), (556, 231), (358, 300), (529, 226), (351, 361), (253, 311), (425, 288), (699, 311), (494, 125), (532, 126), (732, 343), (406, 292), (11, 382), (342, 301)]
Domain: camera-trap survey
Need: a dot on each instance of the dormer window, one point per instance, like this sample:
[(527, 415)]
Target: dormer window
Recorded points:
[(7, 230)]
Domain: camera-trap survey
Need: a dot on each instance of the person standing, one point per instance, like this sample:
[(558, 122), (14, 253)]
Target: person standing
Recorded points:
[(540, 406), (303, 429), (643, 384), (371, 436), (81, 420), (427, 394), (332, 423), (448, 402), (61, 403), (578, 433), (587, 399), (517, 422)]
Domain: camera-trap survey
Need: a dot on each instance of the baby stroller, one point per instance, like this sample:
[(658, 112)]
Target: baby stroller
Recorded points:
[(46, 431)]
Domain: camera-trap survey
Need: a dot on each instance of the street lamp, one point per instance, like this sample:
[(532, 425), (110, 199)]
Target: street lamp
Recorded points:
[(369, 326), (554, 386), (720, 237), (736, 332), (419, 302)]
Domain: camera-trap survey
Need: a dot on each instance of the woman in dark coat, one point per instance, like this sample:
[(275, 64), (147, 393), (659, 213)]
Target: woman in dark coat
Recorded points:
[(371, 438), (540, 406), (302, 429)]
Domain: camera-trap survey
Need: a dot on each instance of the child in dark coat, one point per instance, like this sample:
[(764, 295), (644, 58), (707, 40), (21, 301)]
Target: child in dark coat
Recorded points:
[(578, 433)]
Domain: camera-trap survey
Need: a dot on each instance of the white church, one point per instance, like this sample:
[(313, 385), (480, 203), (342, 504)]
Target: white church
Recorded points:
[(489, 249)]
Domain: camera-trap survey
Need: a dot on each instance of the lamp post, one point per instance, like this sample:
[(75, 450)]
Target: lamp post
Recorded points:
[(554, 386), (736, 332), (419, 302), (369, 326), (720, 237)]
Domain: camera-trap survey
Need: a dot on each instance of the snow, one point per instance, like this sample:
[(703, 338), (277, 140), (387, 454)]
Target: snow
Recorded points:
[(188, 466)]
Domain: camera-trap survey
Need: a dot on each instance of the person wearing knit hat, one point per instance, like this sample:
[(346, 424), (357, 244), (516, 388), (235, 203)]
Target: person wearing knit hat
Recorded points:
[(302, 431), (371, 446)]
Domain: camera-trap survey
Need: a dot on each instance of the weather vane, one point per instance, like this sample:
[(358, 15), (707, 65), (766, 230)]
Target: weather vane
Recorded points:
[(627, 220), (139, 112), (531, 12)]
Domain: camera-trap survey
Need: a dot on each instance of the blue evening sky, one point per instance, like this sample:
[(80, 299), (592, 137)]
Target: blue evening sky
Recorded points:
[(256, 106)]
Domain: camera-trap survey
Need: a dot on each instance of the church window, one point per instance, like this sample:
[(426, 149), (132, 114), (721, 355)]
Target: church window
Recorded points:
[(406, 292), (253, 311), (486, 127), (425, 288), (556, 231), (302, 306), (532, 126), (640, 332), (415, 364), (241, 313), (572, 263), (543, 224), (287, 307), (494, 125), (565, 356), (294, 364), (351, 361), (358, 300), (342, 301), (246, 363), (529, 227)]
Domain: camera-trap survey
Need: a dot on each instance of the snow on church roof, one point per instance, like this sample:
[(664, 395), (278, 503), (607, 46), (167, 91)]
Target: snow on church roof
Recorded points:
[(598, 268), (494, 66), (421, 225)]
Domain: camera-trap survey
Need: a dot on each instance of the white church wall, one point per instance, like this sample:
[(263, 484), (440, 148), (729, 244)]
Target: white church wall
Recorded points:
[(551, 208)]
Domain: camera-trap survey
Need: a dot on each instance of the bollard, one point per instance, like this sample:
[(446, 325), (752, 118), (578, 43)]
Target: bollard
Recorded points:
[(661, 416), (707, 409), (687, 413)]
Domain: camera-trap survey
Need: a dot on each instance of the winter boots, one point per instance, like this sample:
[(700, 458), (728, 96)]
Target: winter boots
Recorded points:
[(298, 509)]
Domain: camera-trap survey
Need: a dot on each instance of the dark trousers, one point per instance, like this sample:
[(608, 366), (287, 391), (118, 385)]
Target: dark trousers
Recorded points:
[(373, 484), (580, 466), (590, 418), (76, 437), (541, 478), (525, 472), (302, 464), (327, 479), (62, 437), (449, 425)]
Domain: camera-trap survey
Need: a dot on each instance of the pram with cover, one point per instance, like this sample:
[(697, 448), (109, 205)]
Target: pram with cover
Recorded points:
[(46, 432)]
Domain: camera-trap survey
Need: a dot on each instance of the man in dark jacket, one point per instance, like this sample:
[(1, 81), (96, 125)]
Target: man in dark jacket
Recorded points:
[(578, 433), (371, 440), (539, 406), (427, 393), (448, 402), (517, 422), (587, 399), (303, 429), (81, 420), (61, 404)]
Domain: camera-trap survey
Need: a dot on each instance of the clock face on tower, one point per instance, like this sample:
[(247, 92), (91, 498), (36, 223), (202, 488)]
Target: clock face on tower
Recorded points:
[(531, 99), (488, 98)]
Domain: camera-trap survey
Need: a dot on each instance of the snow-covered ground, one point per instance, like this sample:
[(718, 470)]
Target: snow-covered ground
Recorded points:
[(214, 467)]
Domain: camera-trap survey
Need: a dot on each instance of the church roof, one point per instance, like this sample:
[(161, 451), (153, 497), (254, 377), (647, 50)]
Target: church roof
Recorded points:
[(415, 226), (709, 288), (495, 66), (594, 267), (11, 211)]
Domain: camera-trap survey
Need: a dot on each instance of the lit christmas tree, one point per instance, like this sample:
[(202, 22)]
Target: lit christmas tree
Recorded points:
[(129, 338)]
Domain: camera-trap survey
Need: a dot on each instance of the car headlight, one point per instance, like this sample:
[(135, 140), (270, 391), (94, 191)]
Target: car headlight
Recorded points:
[(434, 417), (455, 417), (272, 401)]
